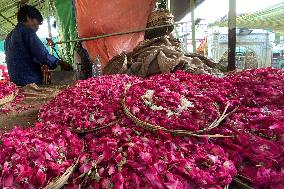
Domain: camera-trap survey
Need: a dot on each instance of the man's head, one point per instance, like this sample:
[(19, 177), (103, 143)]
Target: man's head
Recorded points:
[(30, 16)]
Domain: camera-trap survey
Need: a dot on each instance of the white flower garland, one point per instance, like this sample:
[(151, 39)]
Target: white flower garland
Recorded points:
[(148, 101)]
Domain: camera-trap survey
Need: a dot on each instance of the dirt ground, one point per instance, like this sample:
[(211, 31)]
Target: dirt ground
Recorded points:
[(25, 112)]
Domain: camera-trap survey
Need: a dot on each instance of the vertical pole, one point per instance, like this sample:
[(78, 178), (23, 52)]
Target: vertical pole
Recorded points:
[(192, 7), (232, 36), (169, 5), (47, 73), (48, 22)]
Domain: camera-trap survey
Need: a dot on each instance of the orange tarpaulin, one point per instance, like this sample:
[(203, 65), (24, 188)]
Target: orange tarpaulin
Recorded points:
[(202, 46), (98, 17)]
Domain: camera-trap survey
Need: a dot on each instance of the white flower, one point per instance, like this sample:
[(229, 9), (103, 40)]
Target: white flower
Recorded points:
[(92, 118), (127, 86), (148, 101)]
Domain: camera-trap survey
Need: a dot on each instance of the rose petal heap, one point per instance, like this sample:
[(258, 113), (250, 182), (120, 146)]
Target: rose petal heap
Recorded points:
[(130, 157), (4, 73), (218, 89), (261, 94), (89, 104), (33, 157), (258, 124), (7, 88), (126, 156), (257, 149), (258, 160), (258, 87), (9, 93), (266, 122), (178, 101)]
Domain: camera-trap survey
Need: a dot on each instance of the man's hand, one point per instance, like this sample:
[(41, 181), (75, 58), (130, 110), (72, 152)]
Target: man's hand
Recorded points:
[(65, 66)]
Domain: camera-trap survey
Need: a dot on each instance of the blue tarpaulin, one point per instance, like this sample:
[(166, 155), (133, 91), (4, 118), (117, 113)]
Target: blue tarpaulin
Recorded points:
[(1, 46)]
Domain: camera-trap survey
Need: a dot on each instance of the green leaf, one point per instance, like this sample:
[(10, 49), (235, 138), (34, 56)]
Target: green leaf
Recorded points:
[(97, 177), (82, 175), (121, 163)]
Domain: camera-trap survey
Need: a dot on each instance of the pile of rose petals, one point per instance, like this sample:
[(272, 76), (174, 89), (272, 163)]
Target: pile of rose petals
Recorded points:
[(89, 103), (4, 73), (258, 126), (117, 155), (258, 87), (178, 101), (125, 156), (33, 157), (7, 88), (259, 161)]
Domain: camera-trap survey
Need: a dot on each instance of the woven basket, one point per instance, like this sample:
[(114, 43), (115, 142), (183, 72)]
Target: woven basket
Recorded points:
[(155, 128), (82, 131), (240, 182), (8, 98), (59, 182), (160, 17)]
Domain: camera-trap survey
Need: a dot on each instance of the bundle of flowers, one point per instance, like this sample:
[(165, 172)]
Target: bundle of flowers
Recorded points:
[(130, 157), (89, 104), (34, 157), (4, 73), (258, 87), (178, 101), (260, 162)]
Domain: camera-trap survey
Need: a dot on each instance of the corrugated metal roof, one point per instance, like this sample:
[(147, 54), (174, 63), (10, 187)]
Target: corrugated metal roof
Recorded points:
[(180, 8), (8, 11), (271, 18)]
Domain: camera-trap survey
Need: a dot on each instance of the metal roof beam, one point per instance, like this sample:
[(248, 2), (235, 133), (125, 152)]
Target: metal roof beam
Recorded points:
[(4, 30), (8, 7), (5, 18)]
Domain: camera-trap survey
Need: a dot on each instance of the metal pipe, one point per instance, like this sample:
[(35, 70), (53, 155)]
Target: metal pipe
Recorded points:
[(192, 7), (48, 22), (169, 5), (232, 36), (117, 33), (48, 19)]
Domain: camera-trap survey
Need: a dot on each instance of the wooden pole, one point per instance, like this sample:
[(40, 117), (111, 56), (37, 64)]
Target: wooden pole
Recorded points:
[(192, 7), (232, 36)]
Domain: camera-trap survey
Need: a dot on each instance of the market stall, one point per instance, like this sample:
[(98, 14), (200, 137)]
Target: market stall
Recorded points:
[(159, 118)]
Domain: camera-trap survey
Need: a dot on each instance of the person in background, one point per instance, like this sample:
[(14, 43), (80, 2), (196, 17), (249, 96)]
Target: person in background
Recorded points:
[(25, 53)]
